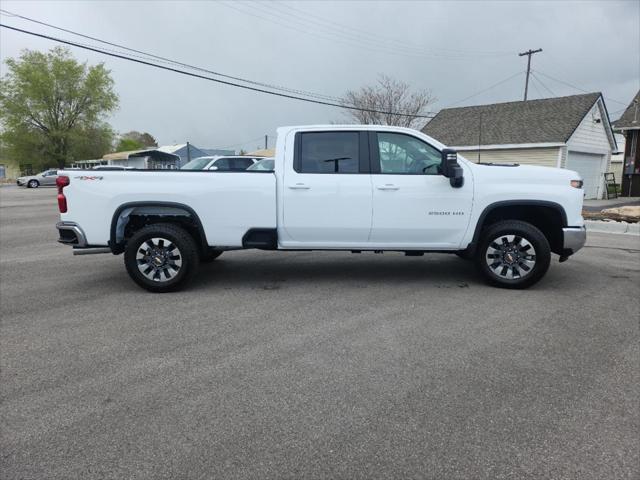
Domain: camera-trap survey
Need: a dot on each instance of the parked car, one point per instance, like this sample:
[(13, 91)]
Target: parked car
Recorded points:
[(221, 163), (48, 177), (111, 167), (266, 164), (354, 187)]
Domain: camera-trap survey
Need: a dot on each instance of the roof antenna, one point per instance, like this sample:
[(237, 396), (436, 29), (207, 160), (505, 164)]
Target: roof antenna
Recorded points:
[(479, 136)]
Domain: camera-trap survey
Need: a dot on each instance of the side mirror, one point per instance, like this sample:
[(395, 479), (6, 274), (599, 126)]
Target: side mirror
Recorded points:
[(451, 169), (213, 168)]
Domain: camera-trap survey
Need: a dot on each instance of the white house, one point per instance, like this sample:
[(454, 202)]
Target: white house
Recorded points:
[(571, 132)]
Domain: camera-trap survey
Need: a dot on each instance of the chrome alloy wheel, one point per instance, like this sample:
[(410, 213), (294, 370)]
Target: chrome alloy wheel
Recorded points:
[(159, 259), (511, 257)]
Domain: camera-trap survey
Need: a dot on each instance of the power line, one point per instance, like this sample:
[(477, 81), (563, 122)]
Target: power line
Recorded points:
[(170, 61), (240, 144), (379, 37), (332, 36), (578, 88), (485, 90), (355, 35), (216, 80), (537, 79)]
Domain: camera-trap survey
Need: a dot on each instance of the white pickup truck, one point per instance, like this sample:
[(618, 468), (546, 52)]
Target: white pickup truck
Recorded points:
[(353, 188)]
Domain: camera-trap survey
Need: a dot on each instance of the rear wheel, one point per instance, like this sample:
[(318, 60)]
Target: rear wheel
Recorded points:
[(161, 257), (33, 184), (513, 254)]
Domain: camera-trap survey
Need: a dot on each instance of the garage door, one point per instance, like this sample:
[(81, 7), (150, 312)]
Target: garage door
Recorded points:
[(589, 166)]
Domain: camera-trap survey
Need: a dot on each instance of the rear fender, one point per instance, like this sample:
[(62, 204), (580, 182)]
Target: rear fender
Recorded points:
[(161, 210)]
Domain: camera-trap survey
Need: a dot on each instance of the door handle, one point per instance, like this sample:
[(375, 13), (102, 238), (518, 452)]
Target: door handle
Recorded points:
[(299, 186), (388, 186)]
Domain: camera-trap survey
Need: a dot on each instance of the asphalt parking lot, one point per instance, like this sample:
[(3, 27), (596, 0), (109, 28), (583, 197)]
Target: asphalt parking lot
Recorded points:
[(313, 365)]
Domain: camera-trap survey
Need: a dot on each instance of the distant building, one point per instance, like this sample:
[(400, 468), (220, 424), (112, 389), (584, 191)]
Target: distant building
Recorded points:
[(617, 158), (212, 152), (185, 151), (629, 125), (264, 152), (155, 158), (571, 132)]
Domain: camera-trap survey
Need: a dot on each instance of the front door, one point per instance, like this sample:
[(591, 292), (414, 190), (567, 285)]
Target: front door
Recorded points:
[(414, 206), (327, 191)]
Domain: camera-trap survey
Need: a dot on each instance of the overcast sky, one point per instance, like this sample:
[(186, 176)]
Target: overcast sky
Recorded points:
[(455, 49)]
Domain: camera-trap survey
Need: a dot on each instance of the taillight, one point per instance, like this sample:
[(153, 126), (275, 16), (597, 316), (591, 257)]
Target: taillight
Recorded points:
[(61, 182)]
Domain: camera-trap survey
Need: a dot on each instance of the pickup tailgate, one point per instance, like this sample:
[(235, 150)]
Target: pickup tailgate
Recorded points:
[(227, 203)]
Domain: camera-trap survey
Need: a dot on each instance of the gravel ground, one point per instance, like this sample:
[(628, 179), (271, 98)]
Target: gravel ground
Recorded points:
[(313, 365)]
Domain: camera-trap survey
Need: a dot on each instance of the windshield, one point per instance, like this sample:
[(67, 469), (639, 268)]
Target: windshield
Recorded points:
[(266, 164), (196, 164)]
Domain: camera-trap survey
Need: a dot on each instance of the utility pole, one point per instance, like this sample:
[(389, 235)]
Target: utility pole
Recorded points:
[(528, 53), (266, 142)]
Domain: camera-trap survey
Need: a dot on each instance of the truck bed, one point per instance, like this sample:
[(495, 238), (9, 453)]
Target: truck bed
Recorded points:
[(226, 203)]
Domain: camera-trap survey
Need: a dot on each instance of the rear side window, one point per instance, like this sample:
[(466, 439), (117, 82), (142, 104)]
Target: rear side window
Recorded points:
[(328, 152)]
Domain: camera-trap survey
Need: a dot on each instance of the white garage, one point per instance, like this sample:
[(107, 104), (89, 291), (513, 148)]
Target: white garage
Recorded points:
[(571, 132), (590, 167)]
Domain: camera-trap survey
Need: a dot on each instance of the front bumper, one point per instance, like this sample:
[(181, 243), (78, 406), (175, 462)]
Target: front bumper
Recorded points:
[(70, 233), (574, 239)]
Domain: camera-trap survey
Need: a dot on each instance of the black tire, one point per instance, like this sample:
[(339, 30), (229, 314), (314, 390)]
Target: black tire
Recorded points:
[(33, 184), (147, 255), (524, 256), (209, 256)]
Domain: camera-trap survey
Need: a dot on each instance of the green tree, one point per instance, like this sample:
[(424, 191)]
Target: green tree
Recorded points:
[(128, 144), (145, 139), (53, 108)]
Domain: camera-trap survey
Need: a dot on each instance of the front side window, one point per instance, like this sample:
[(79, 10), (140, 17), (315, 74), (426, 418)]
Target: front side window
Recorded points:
[(328, 152), (404, 154)]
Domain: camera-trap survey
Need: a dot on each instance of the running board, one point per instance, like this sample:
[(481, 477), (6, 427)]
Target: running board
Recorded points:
[(90, 251)]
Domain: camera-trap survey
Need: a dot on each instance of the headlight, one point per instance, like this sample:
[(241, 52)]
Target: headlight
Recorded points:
[(577, 183)]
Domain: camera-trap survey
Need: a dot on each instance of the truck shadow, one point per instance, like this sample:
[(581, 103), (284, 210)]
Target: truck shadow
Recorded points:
[(274, 271)]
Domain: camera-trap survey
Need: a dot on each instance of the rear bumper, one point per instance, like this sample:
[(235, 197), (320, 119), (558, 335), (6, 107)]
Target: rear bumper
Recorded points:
[(574, 239), (70, 233)]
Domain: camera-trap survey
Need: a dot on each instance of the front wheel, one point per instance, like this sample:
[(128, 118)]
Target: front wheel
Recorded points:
[(161, 257), (513, 254), (33, 184)]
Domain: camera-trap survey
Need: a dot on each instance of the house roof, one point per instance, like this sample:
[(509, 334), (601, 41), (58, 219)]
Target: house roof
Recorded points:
[(171, 148), (138, 153), (630, 119), (264, 152), (547, 120)]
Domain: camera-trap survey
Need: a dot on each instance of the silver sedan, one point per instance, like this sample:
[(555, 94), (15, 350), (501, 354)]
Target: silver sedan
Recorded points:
[(48, 177)]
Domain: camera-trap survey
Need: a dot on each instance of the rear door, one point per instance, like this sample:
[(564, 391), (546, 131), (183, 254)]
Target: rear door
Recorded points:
[(414, 205), (327, 197)]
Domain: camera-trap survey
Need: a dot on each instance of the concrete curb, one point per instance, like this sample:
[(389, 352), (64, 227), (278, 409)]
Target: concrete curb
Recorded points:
[(612, 227)]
